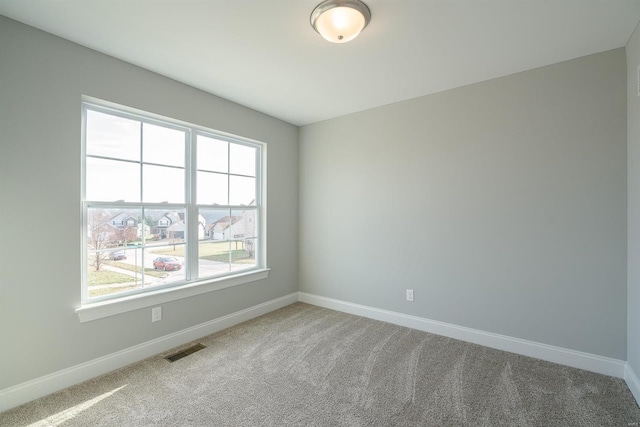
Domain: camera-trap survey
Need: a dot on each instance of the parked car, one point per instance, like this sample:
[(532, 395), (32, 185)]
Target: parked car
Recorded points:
[(117, 255), (167, 263)]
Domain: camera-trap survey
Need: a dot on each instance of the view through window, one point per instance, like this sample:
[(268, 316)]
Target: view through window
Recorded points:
[(165, 204)]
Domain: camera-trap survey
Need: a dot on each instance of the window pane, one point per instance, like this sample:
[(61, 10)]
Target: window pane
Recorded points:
[(165, 226), (213, 259), (112, 136), (163, 145), (111, 180), (213, 248), (242, 190), (217, 223), (212, 188), (212, 154), (101, 234), (162, 184), (244, 224), (166, 245), (114, 228), (113, 240), (243, 254), (242, 160), (244, 235)]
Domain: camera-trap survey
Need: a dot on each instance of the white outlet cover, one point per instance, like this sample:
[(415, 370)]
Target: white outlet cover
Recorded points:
[(156, 314), (409, 294)]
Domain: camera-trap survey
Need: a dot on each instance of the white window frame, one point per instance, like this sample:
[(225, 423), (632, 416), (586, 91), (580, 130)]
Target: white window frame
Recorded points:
[(99, 307)]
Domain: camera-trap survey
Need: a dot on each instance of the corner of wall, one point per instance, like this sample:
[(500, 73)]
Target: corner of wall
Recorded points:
[(632, 50)]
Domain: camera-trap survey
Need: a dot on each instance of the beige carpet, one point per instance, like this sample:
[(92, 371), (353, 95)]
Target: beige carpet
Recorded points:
[(308, 366)]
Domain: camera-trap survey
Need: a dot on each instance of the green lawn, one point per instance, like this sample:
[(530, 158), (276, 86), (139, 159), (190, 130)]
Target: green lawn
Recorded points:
[(106, 277), (213, 251), (130, 267)]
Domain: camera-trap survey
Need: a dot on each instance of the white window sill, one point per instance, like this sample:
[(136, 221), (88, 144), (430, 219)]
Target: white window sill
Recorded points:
[(99, 310)]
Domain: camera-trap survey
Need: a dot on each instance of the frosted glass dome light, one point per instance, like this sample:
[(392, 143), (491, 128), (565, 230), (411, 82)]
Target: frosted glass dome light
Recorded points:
[(340, 21)]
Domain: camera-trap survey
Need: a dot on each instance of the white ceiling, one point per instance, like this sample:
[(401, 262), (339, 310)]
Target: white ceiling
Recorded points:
[(264, 54)]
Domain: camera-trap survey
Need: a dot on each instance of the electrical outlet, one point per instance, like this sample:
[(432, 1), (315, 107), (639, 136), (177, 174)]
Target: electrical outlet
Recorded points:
[(156, 314), (409, 294)]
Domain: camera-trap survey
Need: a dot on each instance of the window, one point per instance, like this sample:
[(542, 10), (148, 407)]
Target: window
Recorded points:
[(165, 204)]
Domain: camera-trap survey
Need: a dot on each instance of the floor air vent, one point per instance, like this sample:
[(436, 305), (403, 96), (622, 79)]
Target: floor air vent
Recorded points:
[(184, 353)]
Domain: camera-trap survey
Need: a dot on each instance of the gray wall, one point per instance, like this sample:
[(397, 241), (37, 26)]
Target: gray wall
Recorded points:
[(42, 78), (633, 216), (502, 204)]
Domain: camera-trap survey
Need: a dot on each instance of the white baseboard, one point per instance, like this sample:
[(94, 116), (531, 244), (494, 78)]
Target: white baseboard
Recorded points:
[(562, 356), (632, 381), (30, 390)]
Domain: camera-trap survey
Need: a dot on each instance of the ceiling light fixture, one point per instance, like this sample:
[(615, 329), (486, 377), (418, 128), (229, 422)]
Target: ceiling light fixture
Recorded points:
[(340, 21)]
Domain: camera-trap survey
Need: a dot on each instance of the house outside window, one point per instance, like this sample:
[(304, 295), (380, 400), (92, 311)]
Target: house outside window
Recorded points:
[(158, 199)]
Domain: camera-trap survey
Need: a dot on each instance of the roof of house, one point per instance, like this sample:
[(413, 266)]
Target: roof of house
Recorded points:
[(225, 222)]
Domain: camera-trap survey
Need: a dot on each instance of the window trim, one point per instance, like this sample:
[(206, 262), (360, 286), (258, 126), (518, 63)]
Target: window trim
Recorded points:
[(111, 307), (96, 308)]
